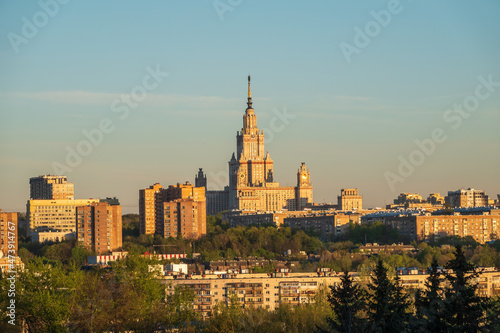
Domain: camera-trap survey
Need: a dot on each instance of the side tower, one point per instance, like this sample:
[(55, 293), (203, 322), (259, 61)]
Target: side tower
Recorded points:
[(304, 190)]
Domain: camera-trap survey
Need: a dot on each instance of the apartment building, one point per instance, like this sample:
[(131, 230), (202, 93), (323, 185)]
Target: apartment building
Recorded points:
[(8, 233), (99, 227), (349, 199), (467, 198), (50, 187), (274, 289), (54, 215)]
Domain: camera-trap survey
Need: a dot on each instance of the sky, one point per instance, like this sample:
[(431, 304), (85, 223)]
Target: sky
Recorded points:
[(383, 96)]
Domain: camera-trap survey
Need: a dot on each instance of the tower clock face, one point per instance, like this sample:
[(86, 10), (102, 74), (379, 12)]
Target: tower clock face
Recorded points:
[(304, 176), (242, 175)]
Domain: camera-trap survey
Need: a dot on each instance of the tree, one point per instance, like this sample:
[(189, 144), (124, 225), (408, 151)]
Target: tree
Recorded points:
[(430, 303), (347, 301), (465, 311), (388, 303)]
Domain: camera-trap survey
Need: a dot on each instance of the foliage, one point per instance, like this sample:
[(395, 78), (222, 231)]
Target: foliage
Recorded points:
[(464, 309), (388, 303), (429, 303), (376, 232), (347, 301)]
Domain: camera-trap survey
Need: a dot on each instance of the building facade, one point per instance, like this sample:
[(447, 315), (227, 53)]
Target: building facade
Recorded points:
[(50, 187), (184, 212), (326, 225), (8, 233), (251, 173), (483, 228), (99, 227), (178, 209), (150, 208), (54, 215), (270, 291), (467, 198), (349, 199), (217, 201)]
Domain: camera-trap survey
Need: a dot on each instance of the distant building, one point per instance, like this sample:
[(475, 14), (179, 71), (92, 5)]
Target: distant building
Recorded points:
[(184, 212), (251, 173), (54, 215), (326, 224), (49, 187), (99, 227), (483, 226), (404, 198), (150, 208), (179, 209), (349, 199), (436, 199), (467, 198), (248, 218), (8, 233), (217, 201), (200, 179)]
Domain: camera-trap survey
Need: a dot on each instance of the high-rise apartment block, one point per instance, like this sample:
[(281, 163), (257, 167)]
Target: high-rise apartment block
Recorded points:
[(467, 198), (8, 233), (349, 199), (99, 227), (150, 208), (49, 187), (54, 216), (179, 209)]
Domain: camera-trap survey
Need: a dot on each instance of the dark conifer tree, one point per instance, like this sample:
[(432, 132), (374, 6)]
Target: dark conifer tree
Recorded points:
[(429, 303), (465, 310), (347, 301), (388, 303)]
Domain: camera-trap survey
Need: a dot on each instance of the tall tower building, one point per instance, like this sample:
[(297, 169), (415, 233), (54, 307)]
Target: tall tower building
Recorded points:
[(49, 187), (252, 184), (304, 187)]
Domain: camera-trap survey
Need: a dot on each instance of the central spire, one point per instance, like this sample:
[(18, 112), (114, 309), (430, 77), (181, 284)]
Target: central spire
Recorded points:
[(249, 103)]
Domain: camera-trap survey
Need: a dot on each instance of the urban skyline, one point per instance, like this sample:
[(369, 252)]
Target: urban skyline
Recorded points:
[(354, 111)]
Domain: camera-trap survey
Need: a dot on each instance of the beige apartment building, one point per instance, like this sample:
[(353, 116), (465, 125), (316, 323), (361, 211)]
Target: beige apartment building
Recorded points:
[(54, 215), (467, 198), (483, 228), (349, 199), (272, 290), (50, 187)]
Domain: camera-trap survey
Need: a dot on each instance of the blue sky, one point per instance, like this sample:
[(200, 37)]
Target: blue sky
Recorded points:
[(352, 120)]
